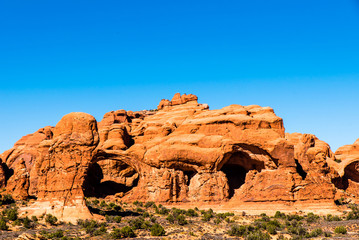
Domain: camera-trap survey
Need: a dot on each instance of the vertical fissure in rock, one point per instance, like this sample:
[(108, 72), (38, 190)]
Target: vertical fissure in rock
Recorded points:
[(300, 169)]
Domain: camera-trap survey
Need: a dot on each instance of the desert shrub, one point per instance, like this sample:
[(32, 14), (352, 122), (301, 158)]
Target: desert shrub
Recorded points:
[(327, 234), (331, 218), (153, 219), (315, 233), (103, 204), (137, 203), (258, 235), (354, 214), (116, 233), (34, 218), (145, 214), (117, 219), (271, 229), (102, 230), (10, 213), (17, 222), (127, 232), (291, 217), (311, 217), (54, 235), (27, 223), (157, 230), (139, 223), (91, 226), (3, 225), (162, 210), (237, 230), (206, 216), (217, 220), (340, 230), (278, 214), (6, 199), (191, 213), (149, 204), (95, 202), (298, 230), (50, 219), (181, 220), (170, 218), (139, 210), (224, 215), (176, 212)]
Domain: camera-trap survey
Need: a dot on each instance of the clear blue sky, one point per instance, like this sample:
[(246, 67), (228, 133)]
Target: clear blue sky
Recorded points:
[(299, 57)]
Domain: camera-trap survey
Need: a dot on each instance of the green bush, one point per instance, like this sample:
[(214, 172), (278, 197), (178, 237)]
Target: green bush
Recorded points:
[(327, 234), (50, 219), (136, 223), (271, 229), (145, 214), (102, 230), (315, 233), (258, 235), (278, 214), (6, 199), (237, 230), (181, 220), (170, 218), (191, 213), (157, 230), (103, 204), (162, 210), (206, 217), (3, 225), (10, 213), (311, 217), (127, 232), (331, 218), (117, 219), (137, 203), (294, 217), (340, 230), (27, 223), (149, 204)]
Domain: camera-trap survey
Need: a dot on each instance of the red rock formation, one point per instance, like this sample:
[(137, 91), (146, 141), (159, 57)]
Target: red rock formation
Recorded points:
[(177, 100), (182, 152)]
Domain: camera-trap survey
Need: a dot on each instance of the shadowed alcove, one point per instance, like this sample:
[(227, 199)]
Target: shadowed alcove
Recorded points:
[(236, 168), (109, 177)]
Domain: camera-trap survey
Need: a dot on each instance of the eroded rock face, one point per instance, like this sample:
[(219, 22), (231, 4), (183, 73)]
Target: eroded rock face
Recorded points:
[(183, 152)]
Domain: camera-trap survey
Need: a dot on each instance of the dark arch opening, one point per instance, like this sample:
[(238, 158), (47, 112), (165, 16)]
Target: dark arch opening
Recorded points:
[(109, 177), (351, 172), (189, 175), (236, 169), (300, 169)]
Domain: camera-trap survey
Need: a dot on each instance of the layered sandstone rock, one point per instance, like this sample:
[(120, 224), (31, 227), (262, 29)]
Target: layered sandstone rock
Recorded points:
[(183, 152)]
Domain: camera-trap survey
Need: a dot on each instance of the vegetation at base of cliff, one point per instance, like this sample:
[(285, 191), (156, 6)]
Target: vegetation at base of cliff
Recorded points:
[(118, 220)]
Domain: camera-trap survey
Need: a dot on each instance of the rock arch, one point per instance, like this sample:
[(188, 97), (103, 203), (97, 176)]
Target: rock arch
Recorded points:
[(110, 174), (236, 164)]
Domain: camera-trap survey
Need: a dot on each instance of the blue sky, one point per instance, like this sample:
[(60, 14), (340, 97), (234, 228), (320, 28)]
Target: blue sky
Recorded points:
[(299, 57)]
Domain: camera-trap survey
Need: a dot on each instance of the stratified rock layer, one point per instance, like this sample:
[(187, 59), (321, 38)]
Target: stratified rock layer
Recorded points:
[(183, 152)]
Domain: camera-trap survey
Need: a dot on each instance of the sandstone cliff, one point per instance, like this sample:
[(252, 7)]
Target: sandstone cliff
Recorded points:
[(182, 152)]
